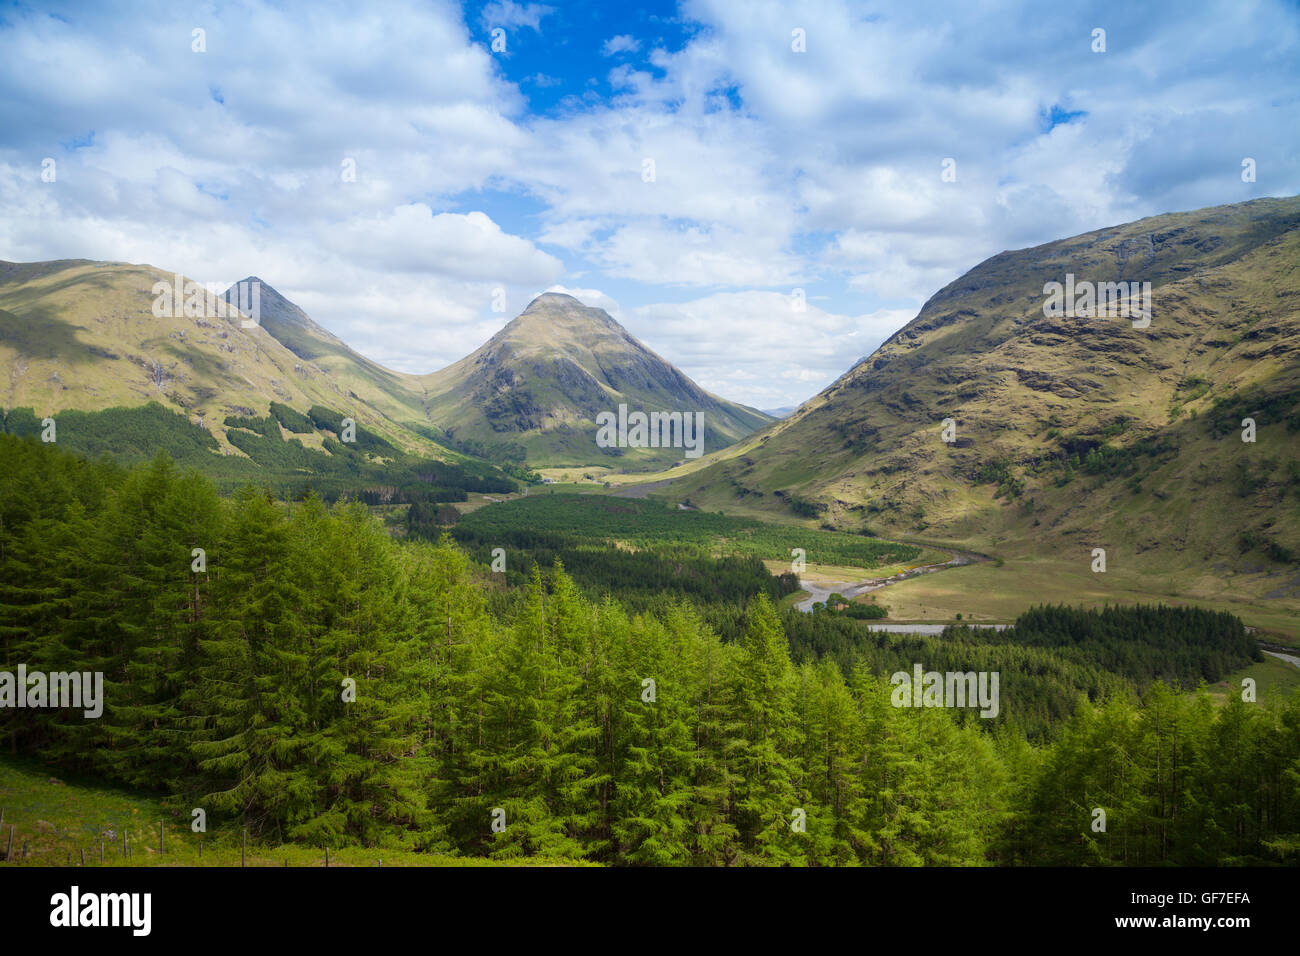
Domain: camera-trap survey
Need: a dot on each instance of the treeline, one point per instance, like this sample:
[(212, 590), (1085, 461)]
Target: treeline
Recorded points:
[(320, 682), (1051, 658), (640, 580)]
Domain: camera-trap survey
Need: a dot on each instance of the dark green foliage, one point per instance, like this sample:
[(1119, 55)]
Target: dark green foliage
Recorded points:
[(287, 468), (20, 421), (1050, 657), (637, 739), (429, 520), (294, 421), (866, 612), (650, 524), (1267, 406), (327, 419), (130, 435), (1095, 457)]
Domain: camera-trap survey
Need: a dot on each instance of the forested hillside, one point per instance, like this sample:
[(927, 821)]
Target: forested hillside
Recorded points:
[(587, 731), (272, 453)]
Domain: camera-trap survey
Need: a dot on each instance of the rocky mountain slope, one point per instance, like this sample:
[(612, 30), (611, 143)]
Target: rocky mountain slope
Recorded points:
[(1070, 432), (535, 390)]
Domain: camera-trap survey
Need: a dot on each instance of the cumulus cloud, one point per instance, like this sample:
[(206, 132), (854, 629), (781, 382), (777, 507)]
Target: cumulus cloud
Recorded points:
[(725, 342), (623, 43)]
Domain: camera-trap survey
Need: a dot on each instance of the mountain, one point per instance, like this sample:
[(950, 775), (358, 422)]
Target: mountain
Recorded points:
[(536, 388), (1070, 433), (90, 336), (391, 392), (77, 334)]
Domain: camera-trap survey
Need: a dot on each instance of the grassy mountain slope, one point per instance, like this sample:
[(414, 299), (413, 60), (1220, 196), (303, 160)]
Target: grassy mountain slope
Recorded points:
[(1072, 433), (396, 395), (535, 388), (76, 334)]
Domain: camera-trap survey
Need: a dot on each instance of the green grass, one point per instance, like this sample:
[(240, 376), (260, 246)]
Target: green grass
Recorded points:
[(989, 592), (58, 817), (1274, 680)]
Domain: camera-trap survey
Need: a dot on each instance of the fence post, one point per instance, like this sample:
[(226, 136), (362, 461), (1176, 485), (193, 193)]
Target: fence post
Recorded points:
[(101, 852), (9, 850), (162, 837), (243, 847), (327, 857), (24, 849), (83, 856)]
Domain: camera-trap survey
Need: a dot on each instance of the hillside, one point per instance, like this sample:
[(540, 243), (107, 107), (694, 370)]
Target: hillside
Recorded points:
[(391, 392), (535, 388), (1071, 433), (81, 335), (76, 334)]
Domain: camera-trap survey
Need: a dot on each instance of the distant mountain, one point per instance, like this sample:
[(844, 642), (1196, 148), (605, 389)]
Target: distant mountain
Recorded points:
[(785, 411), (77, 334), (392, 392), (1069, 431), (537, 387)]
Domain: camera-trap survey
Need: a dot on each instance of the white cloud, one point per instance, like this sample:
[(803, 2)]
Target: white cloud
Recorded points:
[(623, 43), (413, 239), (506, 13), (725, 342)]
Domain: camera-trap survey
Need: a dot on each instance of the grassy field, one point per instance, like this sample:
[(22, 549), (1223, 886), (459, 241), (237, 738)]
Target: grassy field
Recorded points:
[(1274, 679), (993, 593), (56, 818), (850, 574)]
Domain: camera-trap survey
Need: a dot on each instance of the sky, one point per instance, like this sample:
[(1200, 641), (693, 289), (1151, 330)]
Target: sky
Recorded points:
[(761, 192)]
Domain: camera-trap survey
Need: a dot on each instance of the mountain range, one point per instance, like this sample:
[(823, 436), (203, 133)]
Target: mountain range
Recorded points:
[(84, 335)]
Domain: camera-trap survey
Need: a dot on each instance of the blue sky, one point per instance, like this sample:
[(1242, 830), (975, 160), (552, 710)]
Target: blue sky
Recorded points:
[(525, 168)]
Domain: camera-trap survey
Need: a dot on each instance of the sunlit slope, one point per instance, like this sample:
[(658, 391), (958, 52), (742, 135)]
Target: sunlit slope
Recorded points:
[(76, 334), (535, 389), (1072, 433), (395, 394)]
